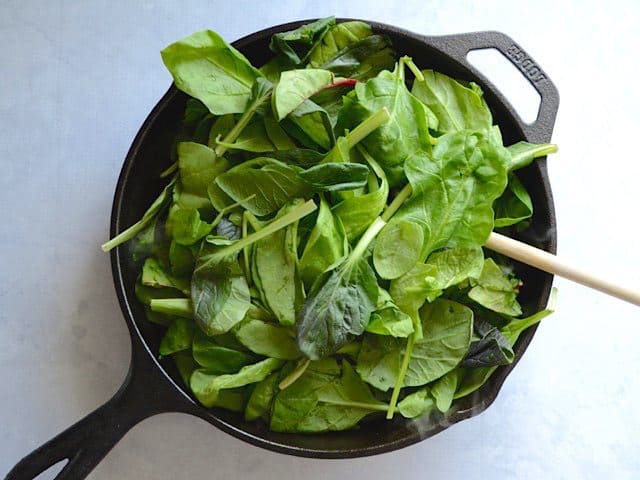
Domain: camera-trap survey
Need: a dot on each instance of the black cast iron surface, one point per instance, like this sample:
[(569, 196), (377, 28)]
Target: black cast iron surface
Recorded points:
[(153, 386)]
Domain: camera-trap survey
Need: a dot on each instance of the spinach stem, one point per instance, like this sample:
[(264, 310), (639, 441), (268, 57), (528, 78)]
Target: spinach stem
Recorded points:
[(367, 406), (397, 202), (401, 374), (367, 237), (156, 207), (227, 209), (295, 374), (408, 61), (237, 129), (366, 127), (180, 307), (245, 251), (379, 223), (172, 168), (291, 217)]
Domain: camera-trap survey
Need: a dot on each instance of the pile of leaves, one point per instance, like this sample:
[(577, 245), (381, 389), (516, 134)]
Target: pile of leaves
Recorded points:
[(317, 255)]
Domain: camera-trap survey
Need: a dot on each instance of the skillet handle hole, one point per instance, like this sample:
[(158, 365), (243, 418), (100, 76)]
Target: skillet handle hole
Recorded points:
[(509, 80), (53, 471)]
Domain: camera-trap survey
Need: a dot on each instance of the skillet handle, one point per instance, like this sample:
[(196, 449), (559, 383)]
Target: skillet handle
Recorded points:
[(144, 393), (458, 46)]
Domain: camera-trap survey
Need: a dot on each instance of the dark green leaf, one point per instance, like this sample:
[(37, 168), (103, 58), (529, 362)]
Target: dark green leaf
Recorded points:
[(178, 337), (491, 348), (218, 358), (514, 206), (295, 45), (220, 295), (338, 307), (261, 398), (326, 246), (333, 177)]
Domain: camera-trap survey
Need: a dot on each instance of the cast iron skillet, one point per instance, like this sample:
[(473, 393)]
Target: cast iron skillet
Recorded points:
[(154, 386)]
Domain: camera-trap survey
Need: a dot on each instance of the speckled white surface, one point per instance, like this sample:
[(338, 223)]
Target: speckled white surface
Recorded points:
[(76, 81)]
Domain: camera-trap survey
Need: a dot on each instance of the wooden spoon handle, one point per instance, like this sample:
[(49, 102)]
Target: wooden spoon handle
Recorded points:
[(550, 263)]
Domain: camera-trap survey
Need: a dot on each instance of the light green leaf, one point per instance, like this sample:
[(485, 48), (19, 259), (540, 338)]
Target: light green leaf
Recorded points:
[(268, 339), (495, 291), (296, 86), (397, 248), (206, 67), (207, 387), (457, 106)]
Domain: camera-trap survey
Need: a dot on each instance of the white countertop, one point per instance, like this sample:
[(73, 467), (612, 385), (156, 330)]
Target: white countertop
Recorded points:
[(78, 79)]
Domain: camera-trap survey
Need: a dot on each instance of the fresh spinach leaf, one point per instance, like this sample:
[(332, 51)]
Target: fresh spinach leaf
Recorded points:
[(495, 291), (206, 67), (207, 387), (178, 337), (397, 248), (199, 166), (447, 328), (523, 153), (296, 45), (261, 398), (417, 404), (218, 358), (155, 274), (326, 246), (268, 339), (364, 59), (450, 267), (457, 106), (262, 185), (338, 37), (334, 177), (296, 86), (514, 205), (274, 271), (359, 211), (491, 347), (388, 319), (405, 136), (453, 191), (338, 307), (322, 400)]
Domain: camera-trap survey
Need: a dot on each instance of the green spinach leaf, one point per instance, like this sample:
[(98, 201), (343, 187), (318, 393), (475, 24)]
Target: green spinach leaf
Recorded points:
[(207, 386), (457, 106), (262, 185), (495, 291), (206, 67)]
